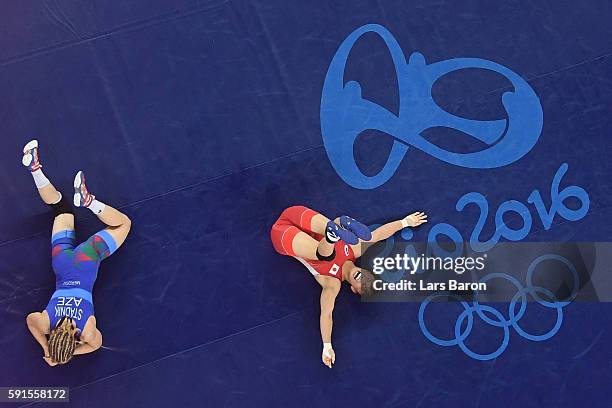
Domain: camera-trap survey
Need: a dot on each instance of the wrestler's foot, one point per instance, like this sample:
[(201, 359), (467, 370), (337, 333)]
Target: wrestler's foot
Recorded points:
[(357, 228), (334, 233), (30, 156), (82, 197)]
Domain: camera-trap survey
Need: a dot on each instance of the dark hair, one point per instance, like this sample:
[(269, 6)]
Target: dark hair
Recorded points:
[(62, 341), (367, 282)]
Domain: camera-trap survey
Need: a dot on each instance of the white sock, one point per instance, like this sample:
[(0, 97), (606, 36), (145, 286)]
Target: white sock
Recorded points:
[(96, 207), (40, 179)]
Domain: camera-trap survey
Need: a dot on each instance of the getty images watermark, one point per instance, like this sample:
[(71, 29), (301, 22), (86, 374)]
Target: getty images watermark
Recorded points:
[(545, 272), (425, 265)]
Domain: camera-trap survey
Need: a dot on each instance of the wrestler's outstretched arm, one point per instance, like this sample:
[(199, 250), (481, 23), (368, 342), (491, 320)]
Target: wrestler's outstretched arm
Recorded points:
[(331, 288), (385, 231)]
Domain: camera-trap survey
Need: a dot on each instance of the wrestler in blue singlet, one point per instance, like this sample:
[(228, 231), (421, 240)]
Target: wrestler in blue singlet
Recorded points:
[(76, 269)]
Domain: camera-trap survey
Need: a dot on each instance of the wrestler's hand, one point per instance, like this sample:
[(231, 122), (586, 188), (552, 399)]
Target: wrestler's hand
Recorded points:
[(50, 361), (414, 220), (328, 356)]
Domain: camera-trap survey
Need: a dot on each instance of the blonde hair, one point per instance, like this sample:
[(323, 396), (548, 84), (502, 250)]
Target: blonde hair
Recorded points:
[(62, 341)]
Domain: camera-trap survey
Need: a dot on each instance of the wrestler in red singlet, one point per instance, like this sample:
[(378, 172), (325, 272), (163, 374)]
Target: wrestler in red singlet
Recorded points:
[(328, 249)]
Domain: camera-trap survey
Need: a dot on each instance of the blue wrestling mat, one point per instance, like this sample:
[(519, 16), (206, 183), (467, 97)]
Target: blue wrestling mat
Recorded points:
[(203, 120)]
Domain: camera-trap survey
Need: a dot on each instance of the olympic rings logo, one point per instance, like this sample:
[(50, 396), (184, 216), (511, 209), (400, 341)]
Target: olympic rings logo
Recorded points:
[(484, 312), (345, 114)]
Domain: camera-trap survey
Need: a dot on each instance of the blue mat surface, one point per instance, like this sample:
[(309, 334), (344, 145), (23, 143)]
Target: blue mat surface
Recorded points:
[(201, 121)]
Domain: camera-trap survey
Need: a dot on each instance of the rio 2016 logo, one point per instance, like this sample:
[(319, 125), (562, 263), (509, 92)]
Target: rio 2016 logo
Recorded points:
[(345, 115)]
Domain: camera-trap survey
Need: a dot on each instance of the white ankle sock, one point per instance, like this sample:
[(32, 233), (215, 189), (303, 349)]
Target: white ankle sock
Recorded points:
[(96, 207), (40, 179)]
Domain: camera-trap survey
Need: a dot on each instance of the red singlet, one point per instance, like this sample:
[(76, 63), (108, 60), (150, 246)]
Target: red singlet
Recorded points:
[(331, 268)]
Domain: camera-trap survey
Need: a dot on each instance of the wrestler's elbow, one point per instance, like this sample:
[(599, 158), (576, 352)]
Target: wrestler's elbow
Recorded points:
[(97, 342), (32, 319)]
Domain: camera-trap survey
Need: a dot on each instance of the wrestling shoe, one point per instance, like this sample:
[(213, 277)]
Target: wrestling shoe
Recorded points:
[(357, 228), (334, 233), (82, 197), (30, 156)]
